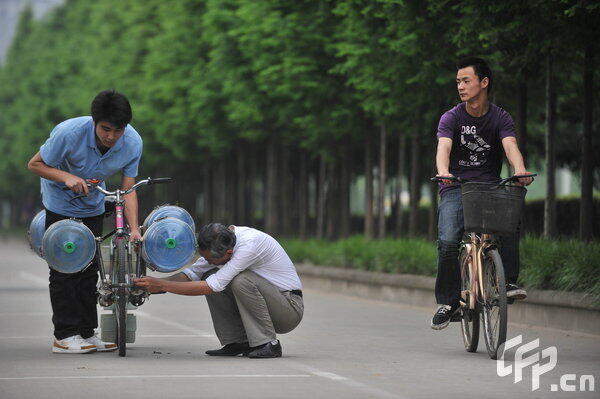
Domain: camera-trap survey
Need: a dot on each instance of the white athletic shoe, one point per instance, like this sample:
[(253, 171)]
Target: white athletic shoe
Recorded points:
[(100, 345), (73, 344)]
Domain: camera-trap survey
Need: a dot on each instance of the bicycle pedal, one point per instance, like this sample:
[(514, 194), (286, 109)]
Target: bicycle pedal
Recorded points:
[(456, 317)]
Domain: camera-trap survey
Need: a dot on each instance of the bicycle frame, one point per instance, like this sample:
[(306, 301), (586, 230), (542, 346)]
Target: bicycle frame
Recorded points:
[(476, 248)]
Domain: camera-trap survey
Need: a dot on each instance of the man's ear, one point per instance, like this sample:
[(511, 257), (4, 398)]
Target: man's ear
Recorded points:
[(231, 227), (485, 82), (230, 251)]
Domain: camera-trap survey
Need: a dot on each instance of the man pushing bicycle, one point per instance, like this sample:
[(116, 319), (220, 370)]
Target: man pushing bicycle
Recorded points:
[(81, 149), (471, 137)]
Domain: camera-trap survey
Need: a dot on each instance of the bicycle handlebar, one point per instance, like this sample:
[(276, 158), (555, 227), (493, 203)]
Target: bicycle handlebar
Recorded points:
[(439, 179), (96, 184)]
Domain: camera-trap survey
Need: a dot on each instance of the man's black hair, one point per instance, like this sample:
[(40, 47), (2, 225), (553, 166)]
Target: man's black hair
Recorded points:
[(112, 107), (481, 68), (216, 238)]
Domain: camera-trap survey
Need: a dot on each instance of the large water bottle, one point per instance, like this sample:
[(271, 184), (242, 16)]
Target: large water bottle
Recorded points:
[(68, 246), (168, 245), (36, 232), (169, 211)]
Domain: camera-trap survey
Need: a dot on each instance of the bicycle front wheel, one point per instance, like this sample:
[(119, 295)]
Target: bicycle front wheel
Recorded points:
[(494, 302), (121, 303), (469, 321)]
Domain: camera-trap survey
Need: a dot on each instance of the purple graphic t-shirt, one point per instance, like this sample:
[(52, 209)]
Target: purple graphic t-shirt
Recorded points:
[(476, 152)]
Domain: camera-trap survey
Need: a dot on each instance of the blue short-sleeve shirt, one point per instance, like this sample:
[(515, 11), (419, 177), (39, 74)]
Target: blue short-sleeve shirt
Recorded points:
[(72, 147)]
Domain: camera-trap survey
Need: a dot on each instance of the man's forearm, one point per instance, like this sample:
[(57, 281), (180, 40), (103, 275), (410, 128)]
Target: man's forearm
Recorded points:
[(131, 210), (192, 288), (47, 172), (514, 156)]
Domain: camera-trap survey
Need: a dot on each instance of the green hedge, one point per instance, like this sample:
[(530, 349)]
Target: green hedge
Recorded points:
[(565, 265)]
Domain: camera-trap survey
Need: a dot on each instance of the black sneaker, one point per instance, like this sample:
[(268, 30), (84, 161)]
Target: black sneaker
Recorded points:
[(231, 350), (514, 292), (442, 316), (266, 351)]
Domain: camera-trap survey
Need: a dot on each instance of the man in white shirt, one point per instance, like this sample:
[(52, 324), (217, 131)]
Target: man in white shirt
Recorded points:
[(251, 286)]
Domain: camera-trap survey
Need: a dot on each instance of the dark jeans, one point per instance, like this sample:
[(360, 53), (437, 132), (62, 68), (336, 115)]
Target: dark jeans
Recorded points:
[(450, 232), (73, 296)]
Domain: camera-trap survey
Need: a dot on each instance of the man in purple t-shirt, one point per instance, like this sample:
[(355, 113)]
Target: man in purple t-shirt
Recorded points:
[(471, 138)]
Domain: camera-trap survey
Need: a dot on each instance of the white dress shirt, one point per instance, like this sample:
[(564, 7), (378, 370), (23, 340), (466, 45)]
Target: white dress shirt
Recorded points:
[(255, 251)]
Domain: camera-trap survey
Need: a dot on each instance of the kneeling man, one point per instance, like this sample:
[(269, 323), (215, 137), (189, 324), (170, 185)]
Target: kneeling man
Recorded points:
[(251, 286)]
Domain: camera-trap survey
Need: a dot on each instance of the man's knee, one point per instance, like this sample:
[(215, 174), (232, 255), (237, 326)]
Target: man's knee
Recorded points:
[(242, 281), (448, 249)]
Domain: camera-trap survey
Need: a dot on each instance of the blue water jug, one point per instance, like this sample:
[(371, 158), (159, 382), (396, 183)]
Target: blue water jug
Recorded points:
[(168, 245), (169, 211), (36, 232), (68, 246)]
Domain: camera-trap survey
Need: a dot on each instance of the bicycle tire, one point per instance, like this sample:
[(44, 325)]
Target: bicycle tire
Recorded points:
[(122, 299), (494, 307), (469, 322)]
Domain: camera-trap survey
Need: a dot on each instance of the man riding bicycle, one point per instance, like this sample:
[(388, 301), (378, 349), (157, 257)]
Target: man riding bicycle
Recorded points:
[(471, 137), (80, 149)]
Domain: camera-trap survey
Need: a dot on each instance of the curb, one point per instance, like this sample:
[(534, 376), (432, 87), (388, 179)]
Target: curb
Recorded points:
[(562, 310)]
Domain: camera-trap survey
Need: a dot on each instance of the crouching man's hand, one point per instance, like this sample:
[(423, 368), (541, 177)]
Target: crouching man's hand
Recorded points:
[(151, 284)]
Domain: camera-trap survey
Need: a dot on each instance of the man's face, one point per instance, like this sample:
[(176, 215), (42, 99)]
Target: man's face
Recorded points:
[(216, 261), (468, 84), (108, 134)]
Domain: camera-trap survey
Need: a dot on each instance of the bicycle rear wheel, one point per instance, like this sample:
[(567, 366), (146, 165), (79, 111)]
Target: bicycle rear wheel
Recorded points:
[(122, 297), (494, 303), (469, 321)]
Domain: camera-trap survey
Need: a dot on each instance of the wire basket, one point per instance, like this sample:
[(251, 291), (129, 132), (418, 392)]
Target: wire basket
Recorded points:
[(492, 208)]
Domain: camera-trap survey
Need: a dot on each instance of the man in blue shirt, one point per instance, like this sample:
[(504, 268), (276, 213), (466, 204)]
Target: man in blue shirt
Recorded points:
[(78, 149)]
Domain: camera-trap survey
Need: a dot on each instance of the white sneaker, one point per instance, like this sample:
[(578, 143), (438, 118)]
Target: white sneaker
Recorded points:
[(100, 345), (73, 344)]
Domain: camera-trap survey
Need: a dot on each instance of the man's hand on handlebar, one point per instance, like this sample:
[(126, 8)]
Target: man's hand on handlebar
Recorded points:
[(446, 181), (524, 181), (135, 235), (77, 184)]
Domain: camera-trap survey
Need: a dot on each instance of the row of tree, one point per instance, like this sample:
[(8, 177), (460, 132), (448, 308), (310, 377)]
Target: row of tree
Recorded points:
[(267, 113)]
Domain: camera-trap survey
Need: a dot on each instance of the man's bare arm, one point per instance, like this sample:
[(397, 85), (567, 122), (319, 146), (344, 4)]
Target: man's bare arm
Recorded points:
[(131, 207), (38, 166), (192, 288), (515, 158)]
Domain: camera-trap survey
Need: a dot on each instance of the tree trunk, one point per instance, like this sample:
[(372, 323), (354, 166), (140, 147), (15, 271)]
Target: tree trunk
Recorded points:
[(284, 189), (322, 197), (270, 209), (401, 172), (303, 195), (345, 181), (368, 227), (522, 115), (332, 201), (415, 182), (241, 198), (250, 187), (382, 179), (586, 209), (550, 203), (207, 216)]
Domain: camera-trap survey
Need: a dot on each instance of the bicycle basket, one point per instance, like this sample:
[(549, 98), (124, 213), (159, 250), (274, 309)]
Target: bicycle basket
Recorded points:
[(492, 208)]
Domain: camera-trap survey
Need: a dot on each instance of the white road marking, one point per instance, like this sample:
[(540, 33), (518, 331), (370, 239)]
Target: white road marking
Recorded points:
[(146, 376), (39, 281), (13, 314), (372, 391), (298, 366), (180, 326), (138, 336)]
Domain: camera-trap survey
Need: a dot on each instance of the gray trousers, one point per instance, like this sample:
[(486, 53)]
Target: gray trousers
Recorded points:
[(251, 309)]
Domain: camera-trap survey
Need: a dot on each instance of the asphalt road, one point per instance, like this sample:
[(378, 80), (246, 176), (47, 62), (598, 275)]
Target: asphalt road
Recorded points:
[(345, 347)]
